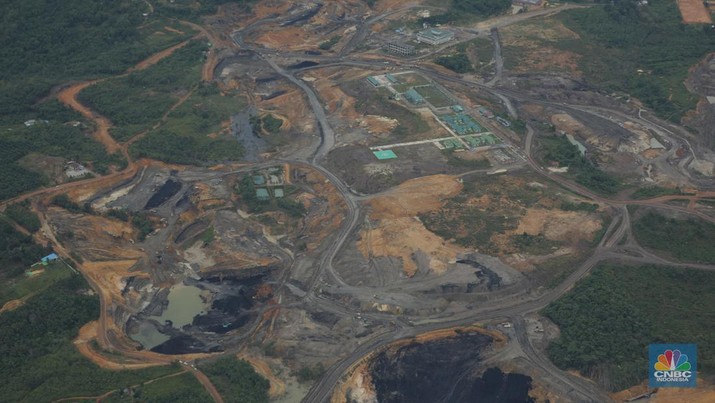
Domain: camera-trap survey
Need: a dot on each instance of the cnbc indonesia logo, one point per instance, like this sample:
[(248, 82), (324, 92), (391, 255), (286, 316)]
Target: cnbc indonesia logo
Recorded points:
[(672, 365)]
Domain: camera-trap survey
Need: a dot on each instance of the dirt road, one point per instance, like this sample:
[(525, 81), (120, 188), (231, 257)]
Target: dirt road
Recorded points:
[(206, 383), (157, 57), (68, 96)]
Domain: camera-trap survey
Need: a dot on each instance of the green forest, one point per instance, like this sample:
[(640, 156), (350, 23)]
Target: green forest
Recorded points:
[(182, 388), (184, 137), (135, 102), (40, 363), (237, 381), (617, 40), (468, 10), (45, 43), (689, 240), (17, 251), (609, 318)]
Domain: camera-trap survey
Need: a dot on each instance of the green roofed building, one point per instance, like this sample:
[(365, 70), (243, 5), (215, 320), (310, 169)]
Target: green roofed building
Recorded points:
[(262, 194), (414, 97), (278, 193), (384, 154), (259, 180), (372, 80)]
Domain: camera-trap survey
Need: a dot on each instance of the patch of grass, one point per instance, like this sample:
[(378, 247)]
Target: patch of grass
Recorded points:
[(23, 286), (271, 124), (580, 206), (141, 222), (621, 38), (182, 388), (689, 240), (368, 101), (40, 362), (330, 42), (237, 381), (435, 96), (534, 244), (609, 343), (650, 192), (469, 226), (554, 271), (459, 162), (308, 373), (585, 172)]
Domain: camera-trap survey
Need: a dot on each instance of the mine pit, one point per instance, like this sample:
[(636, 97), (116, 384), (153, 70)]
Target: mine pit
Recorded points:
[(183, 318)]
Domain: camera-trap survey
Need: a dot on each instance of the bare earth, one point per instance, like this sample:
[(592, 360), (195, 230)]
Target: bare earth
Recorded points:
[(694, 12)]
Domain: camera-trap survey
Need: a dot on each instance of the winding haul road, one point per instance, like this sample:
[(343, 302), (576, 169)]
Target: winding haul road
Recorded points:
[(574, 387)]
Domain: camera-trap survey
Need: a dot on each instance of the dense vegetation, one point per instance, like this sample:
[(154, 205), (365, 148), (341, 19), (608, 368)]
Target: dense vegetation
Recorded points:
[(21, 214), (330, 42), (559, 149), (237, 381), (192, 9), (135, 102), (182, 388), (648, 192), (44, 43), (621, 38), (457, 62), (465, 10), (40, 363), (688, 240), (271, 124), (52, 137), (634, 307), (17, 251), (184, 137)]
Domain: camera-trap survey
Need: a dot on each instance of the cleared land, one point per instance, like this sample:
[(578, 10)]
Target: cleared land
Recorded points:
[(694, 12)]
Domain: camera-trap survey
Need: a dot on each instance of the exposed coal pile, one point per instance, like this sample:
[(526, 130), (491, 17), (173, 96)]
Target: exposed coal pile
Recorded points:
[(183, 344), (493, 279), (218, 322), (444, 371), (302, 17), (303, 64), (165, 192), (233, 309)]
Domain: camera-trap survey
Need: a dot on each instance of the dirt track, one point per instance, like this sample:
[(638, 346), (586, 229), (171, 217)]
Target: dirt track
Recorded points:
[(68, 96), (210, 388), (11, 305), (157, 57), (277, 387)]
